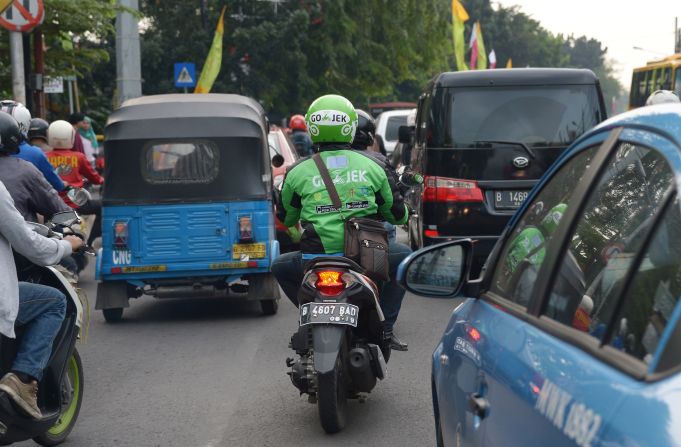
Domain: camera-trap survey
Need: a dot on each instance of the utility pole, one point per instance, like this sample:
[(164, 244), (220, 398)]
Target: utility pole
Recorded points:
[(677, 36), (16, 50), (128, 64)]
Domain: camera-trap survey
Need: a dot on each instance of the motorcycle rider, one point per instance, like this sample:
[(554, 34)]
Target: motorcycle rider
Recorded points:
[(32, 154), (37, 134), (366, 187), (662, 97), (72, 166), (40, 309), (301, 140)]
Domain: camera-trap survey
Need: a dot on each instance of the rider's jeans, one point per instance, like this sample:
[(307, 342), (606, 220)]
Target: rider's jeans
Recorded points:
[(288, 269), (41, 312)]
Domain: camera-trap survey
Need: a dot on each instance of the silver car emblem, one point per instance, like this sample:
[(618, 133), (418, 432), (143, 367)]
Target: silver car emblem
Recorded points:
[(521, 162)]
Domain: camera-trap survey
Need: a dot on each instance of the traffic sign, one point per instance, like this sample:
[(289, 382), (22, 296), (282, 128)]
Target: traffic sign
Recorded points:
[(185, 74), (23, 15)]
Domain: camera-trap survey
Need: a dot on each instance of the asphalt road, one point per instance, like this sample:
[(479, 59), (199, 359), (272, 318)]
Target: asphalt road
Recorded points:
[(211, 373)]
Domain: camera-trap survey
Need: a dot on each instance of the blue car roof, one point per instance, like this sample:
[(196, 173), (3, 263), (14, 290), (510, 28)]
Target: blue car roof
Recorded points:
[(664, 119)]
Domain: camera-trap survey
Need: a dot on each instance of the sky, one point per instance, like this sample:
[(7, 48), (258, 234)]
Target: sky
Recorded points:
[(619, 25)]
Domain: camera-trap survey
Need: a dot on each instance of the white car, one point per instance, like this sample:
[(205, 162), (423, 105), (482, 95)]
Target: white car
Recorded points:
[(388, 124)]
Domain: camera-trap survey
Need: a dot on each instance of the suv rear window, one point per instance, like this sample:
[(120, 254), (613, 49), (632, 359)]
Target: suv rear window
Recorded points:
[(393, 127), (540, 116)]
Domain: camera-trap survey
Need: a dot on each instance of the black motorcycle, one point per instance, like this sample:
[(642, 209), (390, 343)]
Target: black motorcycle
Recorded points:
[(60, 391), (341, 347)]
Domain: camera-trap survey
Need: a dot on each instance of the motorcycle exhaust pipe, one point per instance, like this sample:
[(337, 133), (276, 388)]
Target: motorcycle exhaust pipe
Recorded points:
[(361, 373)]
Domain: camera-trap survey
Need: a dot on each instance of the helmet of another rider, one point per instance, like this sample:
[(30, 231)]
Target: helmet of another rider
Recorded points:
[(550, 222), (297, 123), (331, 119), (662, 97), (366, 129), (528, 245), (10, 134), (38, 129), (61, 135), (19, 112)]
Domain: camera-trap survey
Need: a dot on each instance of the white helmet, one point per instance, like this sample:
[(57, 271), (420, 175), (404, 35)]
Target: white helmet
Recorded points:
[(19, 112), (60, 135), (662, 97)]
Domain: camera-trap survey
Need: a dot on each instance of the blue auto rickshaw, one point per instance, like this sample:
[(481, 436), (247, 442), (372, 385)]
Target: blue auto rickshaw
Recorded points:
[(187, 203)]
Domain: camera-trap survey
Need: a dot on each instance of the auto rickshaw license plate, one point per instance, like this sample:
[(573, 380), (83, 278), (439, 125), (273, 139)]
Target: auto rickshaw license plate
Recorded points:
[(329, 313), (252, 251)]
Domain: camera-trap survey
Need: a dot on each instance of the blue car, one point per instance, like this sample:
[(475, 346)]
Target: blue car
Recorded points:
[(572, 335)]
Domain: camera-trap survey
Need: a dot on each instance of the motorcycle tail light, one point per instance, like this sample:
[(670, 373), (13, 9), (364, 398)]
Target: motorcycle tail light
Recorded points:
[(245, 229), (120, 234), (329, 282)]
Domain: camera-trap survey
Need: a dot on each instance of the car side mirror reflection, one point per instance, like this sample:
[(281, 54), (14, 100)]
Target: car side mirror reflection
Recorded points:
[(278, 161), (404, 134), (437, 271)]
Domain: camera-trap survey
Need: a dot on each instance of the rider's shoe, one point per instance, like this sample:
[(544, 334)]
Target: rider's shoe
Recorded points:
[(396, 344), (25, 395)]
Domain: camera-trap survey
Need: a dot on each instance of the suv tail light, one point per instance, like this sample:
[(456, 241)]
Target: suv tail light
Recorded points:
[(329, 282), (443, 189), (120, 234)]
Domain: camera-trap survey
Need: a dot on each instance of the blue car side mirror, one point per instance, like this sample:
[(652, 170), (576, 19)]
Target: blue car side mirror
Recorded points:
[(438, 271)]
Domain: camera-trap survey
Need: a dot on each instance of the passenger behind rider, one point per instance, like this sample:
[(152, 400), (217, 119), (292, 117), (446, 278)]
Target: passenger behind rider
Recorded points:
[(37, 135), (301, 140), (39, 309), (374, 192), (28, 152), (73, 167)]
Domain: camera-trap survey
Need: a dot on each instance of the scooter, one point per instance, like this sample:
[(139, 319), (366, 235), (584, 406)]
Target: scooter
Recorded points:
[(340, 343), (60, 392)]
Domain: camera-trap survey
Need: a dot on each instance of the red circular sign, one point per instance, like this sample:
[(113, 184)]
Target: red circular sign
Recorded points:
[(23, 15)]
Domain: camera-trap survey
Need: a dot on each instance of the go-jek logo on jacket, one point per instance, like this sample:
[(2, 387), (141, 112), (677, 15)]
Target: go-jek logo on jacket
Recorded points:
[(329, 118)]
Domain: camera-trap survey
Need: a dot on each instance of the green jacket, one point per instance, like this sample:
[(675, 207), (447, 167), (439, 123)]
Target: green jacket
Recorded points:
[(366, 186)]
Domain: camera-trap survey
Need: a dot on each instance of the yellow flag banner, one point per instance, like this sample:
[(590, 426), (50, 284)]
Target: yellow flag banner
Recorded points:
[(509, 64), (4, 4), (459, 16), (211, 68), (482, 53)]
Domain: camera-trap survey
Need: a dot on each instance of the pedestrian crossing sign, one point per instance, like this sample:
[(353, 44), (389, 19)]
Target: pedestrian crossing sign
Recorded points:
[(185, 74)]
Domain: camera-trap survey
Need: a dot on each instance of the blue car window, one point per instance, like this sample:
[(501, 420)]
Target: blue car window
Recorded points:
[(523, 254), (608, 235), (654, 292)]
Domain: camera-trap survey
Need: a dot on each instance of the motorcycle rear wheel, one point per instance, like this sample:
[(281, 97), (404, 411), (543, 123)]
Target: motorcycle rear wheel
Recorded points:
[(332, 393), (67, 419)]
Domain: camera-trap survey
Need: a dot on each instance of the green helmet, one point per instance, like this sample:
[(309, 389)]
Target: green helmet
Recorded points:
[(550, 222), (331, 119), (525, 243)]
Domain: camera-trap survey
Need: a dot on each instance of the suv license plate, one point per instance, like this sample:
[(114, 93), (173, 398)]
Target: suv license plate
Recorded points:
[(510, 200), (329, 313)]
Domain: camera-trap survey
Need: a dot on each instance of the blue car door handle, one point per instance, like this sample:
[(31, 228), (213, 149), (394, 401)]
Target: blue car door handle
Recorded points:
[(478, 405)]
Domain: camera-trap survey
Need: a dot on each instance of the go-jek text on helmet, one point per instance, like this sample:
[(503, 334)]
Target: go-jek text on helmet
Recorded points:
[(331, 119), (61, 135), (38, 129), (366, 129), (10, 134), (662, 97), (297, 123), (19, 112)]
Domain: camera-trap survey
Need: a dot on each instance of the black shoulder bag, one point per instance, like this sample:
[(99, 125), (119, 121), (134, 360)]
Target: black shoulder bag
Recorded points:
[(366, 240)]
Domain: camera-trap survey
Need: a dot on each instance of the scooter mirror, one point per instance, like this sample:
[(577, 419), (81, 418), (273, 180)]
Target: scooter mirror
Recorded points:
[(79, 196), (39, 228), (65, 218), (278, 160)]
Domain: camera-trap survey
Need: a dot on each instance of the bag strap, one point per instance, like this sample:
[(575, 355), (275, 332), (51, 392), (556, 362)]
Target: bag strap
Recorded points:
[(330, 187)]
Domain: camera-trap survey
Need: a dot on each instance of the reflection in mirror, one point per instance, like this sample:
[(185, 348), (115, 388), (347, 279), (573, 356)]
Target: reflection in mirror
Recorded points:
[(39, 228), (65, 218), (437, 272)]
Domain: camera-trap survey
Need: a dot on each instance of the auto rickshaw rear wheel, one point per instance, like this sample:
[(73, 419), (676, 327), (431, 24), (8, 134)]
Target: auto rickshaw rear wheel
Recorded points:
[(113, 315), (269, 307)]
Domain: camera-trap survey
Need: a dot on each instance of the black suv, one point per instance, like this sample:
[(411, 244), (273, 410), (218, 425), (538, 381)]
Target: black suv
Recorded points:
[(483, 139)]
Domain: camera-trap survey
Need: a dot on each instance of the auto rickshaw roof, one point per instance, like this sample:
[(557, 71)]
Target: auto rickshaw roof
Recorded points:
[(186, 115)]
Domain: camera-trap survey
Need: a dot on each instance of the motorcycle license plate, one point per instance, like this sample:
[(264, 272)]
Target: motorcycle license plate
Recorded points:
[(329, 313), (509, 200)]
